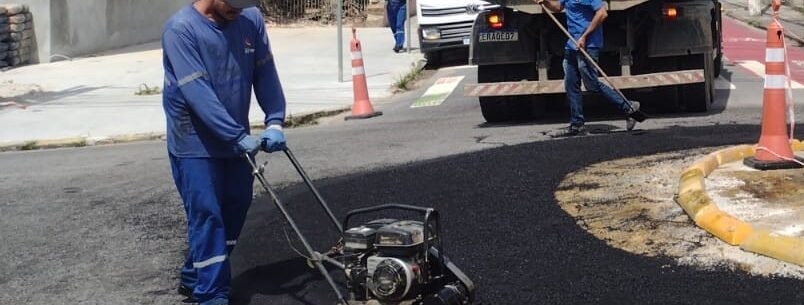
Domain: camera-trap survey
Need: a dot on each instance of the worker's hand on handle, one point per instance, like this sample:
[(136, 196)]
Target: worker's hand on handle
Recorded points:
[(273, 139), (249, 145)]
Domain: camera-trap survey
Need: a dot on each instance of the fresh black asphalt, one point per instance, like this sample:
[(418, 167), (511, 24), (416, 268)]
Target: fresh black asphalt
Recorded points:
[(503, 226)]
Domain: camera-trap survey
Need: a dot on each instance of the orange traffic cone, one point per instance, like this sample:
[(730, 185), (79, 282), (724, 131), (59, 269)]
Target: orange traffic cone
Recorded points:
[(773, 150), (361, 109)]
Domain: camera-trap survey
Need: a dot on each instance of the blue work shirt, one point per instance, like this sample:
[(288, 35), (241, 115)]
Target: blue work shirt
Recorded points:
[(579, 16), (209, 72)]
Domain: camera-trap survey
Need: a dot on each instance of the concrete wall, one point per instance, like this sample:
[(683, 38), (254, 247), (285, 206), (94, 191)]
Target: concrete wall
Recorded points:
[(74, 28)]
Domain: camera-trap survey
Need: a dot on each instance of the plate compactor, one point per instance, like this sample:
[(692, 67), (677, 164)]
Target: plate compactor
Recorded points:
[(384, 261)]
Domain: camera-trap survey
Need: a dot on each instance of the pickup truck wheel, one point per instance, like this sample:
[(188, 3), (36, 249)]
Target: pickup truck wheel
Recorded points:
[(433, 58)]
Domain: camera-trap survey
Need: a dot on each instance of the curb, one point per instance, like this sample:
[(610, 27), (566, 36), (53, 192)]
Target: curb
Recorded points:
[(292, 122), (692, 197)]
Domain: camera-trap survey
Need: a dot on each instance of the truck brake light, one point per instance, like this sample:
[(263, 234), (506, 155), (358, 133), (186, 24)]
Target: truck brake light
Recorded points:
[(495, 20), (669, 12)]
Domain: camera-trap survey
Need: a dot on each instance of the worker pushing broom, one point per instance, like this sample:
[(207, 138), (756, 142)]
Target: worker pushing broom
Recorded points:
[(585, 33)]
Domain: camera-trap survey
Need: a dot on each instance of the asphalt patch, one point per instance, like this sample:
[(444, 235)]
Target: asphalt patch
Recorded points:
[(504, 228)]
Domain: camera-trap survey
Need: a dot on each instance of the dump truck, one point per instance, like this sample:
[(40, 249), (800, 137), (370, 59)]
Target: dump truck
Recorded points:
[(666, 54)]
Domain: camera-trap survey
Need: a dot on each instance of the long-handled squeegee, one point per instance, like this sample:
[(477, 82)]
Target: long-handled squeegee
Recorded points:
[(637, 115)]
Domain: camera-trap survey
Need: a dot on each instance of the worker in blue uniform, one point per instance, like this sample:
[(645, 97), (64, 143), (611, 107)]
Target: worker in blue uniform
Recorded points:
[(585, 24), (215, 52), (397, 11)]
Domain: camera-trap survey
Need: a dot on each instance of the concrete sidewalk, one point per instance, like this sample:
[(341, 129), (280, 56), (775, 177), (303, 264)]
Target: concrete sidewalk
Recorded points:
[(94, 97)]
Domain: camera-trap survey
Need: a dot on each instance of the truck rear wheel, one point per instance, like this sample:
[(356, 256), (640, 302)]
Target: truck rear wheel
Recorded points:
[(498, 109), (699, 97)]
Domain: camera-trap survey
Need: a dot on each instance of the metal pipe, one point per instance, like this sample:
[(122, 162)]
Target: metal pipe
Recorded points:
[(258, 173), (330, 260), (314, 190), (339, 17), (407, 24)]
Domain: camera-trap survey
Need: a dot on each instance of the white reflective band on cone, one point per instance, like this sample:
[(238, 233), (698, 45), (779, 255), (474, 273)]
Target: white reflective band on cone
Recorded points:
[(358, 71), (213, 260), (357, 55), (774, 55), (775, 82)]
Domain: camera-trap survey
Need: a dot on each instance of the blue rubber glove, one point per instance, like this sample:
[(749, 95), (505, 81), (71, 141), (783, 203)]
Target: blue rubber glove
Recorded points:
[(249, 144), (273, 139)]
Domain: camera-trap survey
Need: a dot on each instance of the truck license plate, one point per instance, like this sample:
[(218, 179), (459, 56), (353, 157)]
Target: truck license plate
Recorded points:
[(499, 36)]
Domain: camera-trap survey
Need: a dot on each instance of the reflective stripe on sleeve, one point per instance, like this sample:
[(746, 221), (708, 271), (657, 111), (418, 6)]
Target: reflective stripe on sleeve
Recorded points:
[(191, 77), (213, 260)]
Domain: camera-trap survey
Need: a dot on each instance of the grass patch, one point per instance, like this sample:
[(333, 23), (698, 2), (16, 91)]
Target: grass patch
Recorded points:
[(145, 90), (304, 120), (405, 82), (81, 143), (30, 145), (310, 119)]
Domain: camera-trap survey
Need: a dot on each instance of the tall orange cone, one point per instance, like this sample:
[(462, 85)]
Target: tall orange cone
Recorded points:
[(361, 109), (773, 150)]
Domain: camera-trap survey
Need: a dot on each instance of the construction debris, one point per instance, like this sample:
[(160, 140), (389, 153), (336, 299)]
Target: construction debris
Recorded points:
[(16, 35)]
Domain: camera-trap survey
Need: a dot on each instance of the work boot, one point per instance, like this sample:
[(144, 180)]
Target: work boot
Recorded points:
[(186, 292), (576, 130), (630, 122)]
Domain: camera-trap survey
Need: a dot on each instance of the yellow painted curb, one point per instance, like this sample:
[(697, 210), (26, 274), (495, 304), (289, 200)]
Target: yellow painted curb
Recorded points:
[(798, 145), (691, 181), (724, 226), (786, 248), (695, 202), (692, 197)]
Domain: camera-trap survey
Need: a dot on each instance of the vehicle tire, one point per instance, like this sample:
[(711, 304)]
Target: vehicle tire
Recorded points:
[(433, 58), (699, 97), (498, 109), (718, 65)]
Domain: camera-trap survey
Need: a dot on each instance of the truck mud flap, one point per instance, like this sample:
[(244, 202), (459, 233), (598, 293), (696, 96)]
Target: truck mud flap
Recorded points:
[(557, 86)]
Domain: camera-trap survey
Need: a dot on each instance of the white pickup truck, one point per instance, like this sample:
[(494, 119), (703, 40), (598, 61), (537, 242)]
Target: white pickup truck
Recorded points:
[(445, 24)]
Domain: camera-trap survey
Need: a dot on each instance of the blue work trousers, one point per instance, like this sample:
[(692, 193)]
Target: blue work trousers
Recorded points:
[(217, 195), (577, 68), (397, 11)]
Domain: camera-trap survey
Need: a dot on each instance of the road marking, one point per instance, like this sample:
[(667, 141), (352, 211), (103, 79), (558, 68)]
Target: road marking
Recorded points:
[(723, 84), (456, 68), (438, 92), (759, 69)]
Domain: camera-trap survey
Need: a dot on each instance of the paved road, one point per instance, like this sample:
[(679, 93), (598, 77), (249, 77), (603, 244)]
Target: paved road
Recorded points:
[(104, 225)]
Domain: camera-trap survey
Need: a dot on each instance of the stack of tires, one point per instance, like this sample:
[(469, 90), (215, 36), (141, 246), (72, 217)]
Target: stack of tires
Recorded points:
[(16, 35)]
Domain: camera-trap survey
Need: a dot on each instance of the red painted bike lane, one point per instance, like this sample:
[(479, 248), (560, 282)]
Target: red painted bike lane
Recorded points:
[(745, 43)]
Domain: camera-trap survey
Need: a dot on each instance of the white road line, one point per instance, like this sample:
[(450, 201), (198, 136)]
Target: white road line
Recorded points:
[(724, 84), (759, 69)]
